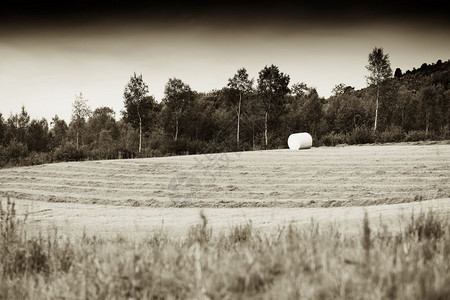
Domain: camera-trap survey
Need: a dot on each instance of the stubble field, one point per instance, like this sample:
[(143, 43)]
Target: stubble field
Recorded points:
[(355, 222), (270, 188)]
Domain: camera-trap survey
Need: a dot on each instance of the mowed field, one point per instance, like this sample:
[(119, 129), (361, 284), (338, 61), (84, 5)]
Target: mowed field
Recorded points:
[(277, 185), (325, 176)]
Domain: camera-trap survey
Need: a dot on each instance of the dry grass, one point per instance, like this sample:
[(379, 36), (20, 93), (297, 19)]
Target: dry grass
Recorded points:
[(309, 262), (318, 177)]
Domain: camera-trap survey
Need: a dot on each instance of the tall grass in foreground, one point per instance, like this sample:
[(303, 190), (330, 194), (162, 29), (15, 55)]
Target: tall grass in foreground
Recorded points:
[(309, 263)]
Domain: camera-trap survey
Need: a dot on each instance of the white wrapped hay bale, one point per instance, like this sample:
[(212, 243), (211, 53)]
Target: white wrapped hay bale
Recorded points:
[(302, 140)]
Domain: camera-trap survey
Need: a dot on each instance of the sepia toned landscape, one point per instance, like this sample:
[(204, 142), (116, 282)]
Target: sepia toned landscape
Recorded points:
[(224, 150)]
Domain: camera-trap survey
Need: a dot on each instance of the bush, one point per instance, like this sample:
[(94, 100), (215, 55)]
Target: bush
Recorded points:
[(38, 158), (361, 135), (196, 147), (333, 139), (3, 157), (182, 146), (417, 135), (445, 133), (68, 152), (390, 135), (124, 153), (16, 150)]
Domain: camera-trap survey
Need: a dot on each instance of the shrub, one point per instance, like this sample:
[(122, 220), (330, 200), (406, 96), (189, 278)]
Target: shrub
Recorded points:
[(417, 135), (68, 152), (16, 150), (445, 133), (38, 158), (333, 139), (391, 134), (196, 147), (361, 135), (3, 157)]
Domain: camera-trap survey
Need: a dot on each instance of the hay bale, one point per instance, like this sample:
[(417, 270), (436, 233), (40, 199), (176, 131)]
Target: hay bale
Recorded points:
[(302, 140)]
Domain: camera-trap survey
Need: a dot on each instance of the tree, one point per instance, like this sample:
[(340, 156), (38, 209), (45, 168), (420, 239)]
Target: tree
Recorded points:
[(380, 70), (102, 119), (312, 110), (398, 73), (138, 105), (339, 89), (243, 85), (80, 111), (58, 132), (2, 130), (272, 87), (299, 89), (17, 126), (38, 135), (178, 97)]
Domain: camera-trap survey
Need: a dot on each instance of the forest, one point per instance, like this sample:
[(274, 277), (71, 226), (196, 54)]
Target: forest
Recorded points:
[(244, 115)]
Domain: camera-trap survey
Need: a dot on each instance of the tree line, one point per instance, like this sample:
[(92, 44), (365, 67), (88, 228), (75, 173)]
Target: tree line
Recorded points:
[(246, 114)]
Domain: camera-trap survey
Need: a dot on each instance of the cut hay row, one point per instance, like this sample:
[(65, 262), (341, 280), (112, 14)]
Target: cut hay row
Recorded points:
[(353, 175)]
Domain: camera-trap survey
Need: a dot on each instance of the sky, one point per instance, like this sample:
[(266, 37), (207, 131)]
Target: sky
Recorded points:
[(49, 51)]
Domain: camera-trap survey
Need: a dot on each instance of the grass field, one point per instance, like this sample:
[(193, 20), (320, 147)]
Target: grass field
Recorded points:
[(318, 177), (307, 262), (271, 188), (357, 222)]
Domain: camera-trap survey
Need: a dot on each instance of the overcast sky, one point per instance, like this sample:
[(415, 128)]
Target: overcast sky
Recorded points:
[(48, 54)]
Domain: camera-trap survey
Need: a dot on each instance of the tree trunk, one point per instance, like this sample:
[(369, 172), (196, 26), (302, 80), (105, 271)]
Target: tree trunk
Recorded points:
[(77, 139), (403, 117), (427, 122), (140, 134), (140, 128), (253, 135), (265, 129), (376, 108), (238, 120), (176, 129)]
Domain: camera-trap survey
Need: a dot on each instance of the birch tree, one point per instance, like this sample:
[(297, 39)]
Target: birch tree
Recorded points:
[(138, 105), (80, 111), (243, 85), (380, 70), (272, 88), (178, 96)]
